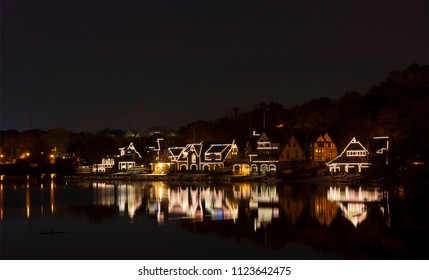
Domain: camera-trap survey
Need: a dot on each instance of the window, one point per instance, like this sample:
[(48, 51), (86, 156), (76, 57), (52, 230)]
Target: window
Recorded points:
[(356, 153)]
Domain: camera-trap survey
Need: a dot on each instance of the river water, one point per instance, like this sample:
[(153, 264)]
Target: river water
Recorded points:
[(162, 220)]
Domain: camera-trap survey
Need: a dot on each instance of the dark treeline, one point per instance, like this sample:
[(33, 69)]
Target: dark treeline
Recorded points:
[(397, 107)]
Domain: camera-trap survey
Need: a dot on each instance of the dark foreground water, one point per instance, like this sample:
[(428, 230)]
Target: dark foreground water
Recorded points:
[(156, 220)]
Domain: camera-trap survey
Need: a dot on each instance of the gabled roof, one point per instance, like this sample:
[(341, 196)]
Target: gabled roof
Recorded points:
[(201, 149), (327, 137), (130, 148), (323, 138), (263, 138), (195, 147), (293, 137), (220, 149), (320, 139), (217, 148), (353, 145), (175, 151)]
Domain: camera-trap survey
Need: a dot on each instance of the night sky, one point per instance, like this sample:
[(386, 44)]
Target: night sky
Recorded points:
[(93, 64)]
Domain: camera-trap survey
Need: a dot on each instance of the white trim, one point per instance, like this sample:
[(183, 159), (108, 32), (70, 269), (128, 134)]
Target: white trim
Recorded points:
[(353, 141)]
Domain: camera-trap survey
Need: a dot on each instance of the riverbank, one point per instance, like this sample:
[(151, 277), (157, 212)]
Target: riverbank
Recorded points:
[(186, 177), (175, 177)]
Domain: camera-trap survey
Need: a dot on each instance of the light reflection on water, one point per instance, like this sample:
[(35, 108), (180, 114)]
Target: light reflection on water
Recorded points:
[(353, 202), (335, 221), (192, 203)]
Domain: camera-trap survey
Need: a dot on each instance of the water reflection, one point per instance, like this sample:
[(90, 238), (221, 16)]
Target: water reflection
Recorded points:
[(353, 201), (259, 203), (325, 218), (1, 201), (262, 202), (51, 197), (27, 201), (127, 197)]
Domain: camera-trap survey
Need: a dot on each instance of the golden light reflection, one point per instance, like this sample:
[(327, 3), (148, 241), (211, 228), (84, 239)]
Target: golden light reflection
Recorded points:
[(52, 198), (353, 201), (41, 200), (159, 214), (324, 210), (265, 216), (193, 202), (242, 191), (195, 210), (27, 202), (122, 198), (134, 200), (1, 202), (104, 194), (178, 201), (160, 192), (128, 198)]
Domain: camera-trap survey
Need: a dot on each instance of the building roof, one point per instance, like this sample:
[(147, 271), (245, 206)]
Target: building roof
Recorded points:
[(353, 146), (218, 148), (175, 151)]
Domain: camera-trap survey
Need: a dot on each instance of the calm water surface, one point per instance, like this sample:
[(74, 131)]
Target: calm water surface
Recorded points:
[(159, 220)]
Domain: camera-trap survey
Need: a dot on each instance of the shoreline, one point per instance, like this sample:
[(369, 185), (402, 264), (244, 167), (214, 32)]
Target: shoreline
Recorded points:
[(177, 177), (198, 177)]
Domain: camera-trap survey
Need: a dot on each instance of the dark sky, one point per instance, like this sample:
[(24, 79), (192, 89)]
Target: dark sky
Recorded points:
[(92, 64)]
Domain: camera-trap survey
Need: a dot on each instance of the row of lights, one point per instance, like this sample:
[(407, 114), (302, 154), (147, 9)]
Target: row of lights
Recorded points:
[(52, 176), (26, 155)]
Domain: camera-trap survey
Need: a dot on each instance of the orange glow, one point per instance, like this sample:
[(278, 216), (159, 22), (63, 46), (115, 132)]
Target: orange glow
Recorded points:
[(1, 202), (52, 198), (27, 202), (24, 155)]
